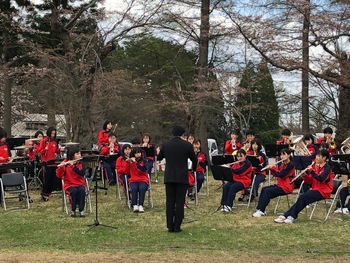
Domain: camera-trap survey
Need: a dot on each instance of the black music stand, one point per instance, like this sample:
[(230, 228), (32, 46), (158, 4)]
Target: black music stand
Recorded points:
[(339, 166), (222, 173), (301, 162), (273, 150), (254, 160), (223, 159), (94, 177)]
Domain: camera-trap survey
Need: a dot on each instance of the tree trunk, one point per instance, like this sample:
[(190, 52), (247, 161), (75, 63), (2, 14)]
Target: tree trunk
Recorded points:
[(304, 74), (8, 80)]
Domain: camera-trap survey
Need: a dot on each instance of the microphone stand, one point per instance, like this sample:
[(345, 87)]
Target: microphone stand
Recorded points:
[(96, 222)]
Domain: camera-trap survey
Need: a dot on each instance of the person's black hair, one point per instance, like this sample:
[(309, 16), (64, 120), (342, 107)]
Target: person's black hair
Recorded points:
[(37, 133), (111, 134), (50, 130), (250, 132), (144, 135), (286, 132), (257, 141), (105, 124), (196, 141), (309, 136), (328, 130), (72, 150), (323, 153), (125, 146), (286, 151), (135, 141), (234, 131), (324, 145), (136, 150), (178, 131), (241, 151), (3, 133)]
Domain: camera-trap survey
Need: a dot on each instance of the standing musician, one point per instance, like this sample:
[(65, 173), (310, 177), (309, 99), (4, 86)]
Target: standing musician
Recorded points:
[(110, 149), (48, 149), (327, 138), (103, 134), (5, 153), (123, 166), (260, 176), (284, 172), (72, 172), (200, 170), (320, 176), (146, 143), (285, 139), (35, 145), (232, 145), (242, 177)]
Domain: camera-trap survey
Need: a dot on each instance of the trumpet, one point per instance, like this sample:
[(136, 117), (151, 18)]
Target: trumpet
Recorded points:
[(331, 143), (69, 162), (301, 173), (269, 165)]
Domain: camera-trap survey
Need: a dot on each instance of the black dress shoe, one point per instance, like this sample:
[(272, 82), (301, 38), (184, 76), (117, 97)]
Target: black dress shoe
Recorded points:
[(177, 230), (170, 229)]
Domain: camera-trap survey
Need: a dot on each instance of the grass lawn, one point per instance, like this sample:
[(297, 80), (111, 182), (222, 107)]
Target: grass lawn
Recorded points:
[(46, 233)]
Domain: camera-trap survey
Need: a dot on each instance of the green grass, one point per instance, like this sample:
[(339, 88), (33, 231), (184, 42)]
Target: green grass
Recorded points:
[(46, 228)]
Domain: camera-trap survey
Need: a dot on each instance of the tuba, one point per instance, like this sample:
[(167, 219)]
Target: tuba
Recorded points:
[(291, 145), (345, 148), (300, 148)]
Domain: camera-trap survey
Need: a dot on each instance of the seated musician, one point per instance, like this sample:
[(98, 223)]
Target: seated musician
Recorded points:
[(103, 134), (107, 150), (320, 176), (241, 175), (232, 145), (328, 139), (285, 137), (48, 149), (200, 170), (139, 180), (33, 150), (72, 172), (341, 208), (250, 135), (123, 165), (284, 172), (309, 142), (146, 143), (5, 153), (260, 176)]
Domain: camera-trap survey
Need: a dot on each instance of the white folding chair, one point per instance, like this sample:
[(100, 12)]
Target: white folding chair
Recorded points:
[(87, 198)]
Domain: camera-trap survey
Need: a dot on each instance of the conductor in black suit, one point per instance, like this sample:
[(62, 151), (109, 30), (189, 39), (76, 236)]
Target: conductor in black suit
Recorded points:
[(176, 151)]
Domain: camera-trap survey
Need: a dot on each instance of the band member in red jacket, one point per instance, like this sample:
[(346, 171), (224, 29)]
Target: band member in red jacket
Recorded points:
[(320, 177), (232, 145), (123, 166), (328, 139), (139, 179), (242, 177), (285, 172), (48, 149), (110, 149), (150, 150), (5, 153), (285, 138), (103, 134), (72, 172)]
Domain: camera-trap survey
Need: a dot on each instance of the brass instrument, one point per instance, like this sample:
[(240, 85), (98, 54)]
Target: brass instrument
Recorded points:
[(301, 173), (331, 143), (345, 148), (269, 165), (291, 145), (300, 148), (69, 162)]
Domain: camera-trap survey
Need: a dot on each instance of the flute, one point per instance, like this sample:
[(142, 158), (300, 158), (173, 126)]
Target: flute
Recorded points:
[(228, 164), (69, 162), (301, 173), (269, 165)]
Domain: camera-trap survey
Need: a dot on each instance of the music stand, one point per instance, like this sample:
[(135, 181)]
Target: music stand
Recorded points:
[(273, 150), (223, 159), (254, 160), (94, 177), (339, 167), (301, 162)]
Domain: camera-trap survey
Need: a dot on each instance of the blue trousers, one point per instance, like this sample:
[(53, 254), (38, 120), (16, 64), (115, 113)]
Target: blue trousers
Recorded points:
[(110, 170), (259, 178), (77, 197), (344, 192), (229, 192), (200, 180), (149, 166), (303, 200), (268, 193), (138, 192)]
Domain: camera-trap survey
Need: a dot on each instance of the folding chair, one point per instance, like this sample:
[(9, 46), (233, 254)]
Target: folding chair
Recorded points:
[(296, 193), (206, 180), (149, 190), (337, 186), (14, 183), (252, 191), (87, 198)]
